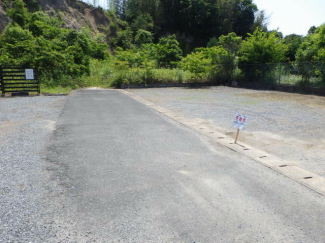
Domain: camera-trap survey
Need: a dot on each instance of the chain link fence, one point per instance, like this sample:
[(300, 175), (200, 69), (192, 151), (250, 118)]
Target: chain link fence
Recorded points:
[(306, 74)]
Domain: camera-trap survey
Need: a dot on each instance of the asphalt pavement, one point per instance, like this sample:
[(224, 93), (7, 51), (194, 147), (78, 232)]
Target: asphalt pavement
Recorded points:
[(129, 174)]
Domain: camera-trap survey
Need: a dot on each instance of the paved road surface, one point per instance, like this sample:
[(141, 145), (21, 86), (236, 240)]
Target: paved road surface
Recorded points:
[(128, 174)]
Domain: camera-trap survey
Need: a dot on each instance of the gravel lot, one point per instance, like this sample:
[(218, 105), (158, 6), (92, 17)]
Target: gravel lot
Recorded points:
[(33, 187), (26, 125), (290, 126)]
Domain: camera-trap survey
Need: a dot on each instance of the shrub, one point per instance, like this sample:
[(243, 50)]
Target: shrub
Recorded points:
[(197, 63), (168, 52)]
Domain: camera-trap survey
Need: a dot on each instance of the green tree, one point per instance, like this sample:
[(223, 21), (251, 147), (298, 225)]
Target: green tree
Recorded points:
[(17, 46), (261, 47), (313, 47), (312, 50), (261, 21), (143, 21), (194, 21), (293, 42), (197, 63), (225, 63), (19, 13), (244, 17), (312, 30), (212, 42), (125, 38), (231, 43), (168, 52), (215, 62), (143, 37), (32, 5)]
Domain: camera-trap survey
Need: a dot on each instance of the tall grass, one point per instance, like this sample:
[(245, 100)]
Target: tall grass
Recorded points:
[(100, 74), (106, 74), (144, 77)]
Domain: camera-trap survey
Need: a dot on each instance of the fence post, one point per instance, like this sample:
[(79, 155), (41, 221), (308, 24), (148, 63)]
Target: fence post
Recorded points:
[(2, 83), (280, 73), (38, 81)]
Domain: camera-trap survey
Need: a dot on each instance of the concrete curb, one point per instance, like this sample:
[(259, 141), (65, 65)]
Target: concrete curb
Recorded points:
[(302, 176)]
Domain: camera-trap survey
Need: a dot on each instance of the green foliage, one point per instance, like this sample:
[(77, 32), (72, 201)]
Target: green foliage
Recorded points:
[(312, 50), (80, 58), (293, 42), (101, 73), (125, 39), (35, 39), (140, 76), (19, 13), (244, 17), (143, 21), (312, 30), (168, 52), (216, 62), (225, 64), (212, 42), (143, 37), (261, 47), (195, 21), (197, 63), (261, 21), (133, 58), (32, 5), (231, 42)]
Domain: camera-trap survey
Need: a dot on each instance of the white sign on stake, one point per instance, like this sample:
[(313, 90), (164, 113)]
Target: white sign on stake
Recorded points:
[(239, 123), (29, 73)]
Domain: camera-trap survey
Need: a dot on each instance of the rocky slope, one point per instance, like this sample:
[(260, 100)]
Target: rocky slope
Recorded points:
[(74, 13)]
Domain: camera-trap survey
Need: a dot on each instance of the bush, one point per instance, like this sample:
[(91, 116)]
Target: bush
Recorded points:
[(168, 52), (216, 62), (197, 63)]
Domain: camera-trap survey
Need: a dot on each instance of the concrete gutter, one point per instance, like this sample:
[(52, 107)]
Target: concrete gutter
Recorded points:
[(302, 176)]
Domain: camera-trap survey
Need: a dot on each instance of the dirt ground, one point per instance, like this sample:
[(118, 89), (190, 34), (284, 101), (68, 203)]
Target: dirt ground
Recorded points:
[(290, 126)]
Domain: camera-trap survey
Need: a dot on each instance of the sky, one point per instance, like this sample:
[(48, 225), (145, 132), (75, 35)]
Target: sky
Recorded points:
[(290, 16), (102, 3), (293, 16)]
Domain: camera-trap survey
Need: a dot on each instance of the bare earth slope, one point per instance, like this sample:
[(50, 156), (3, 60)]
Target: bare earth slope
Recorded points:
[(75, 14)]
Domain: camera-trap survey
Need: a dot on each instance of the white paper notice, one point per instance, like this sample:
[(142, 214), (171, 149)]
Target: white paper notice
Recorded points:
[(29, 73), (240, 121)]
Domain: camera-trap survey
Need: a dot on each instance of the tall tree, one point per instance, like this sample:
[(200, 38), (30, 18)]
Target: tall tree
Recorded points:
[(261, 21), (293, 42), (261, 47), (313, 47), (244, 17), (19, 13)]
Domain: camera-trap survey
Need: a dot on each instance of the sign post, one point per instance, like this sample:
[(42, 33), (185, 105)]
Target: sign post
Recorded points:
[(237, 135), (239, 123)]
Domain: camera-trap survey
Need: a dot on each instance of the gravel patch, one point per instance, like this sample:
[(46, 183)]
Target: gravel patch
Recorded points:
[(26, 125), (290, 126)]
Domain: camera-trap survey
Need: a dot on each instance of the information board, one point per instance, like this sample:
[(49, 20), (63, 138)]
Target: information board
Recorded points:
[(29, 73)]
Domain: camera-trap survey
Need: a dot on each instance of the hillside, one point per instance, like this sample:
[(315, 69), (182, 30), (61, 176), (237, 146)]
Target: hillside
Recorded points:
[(74, 13)]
